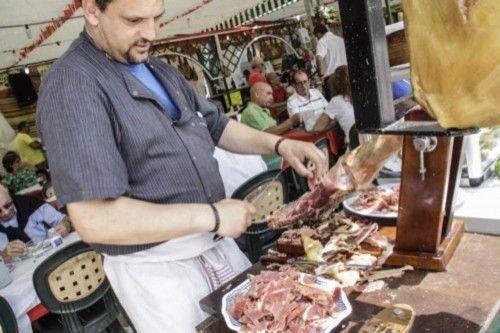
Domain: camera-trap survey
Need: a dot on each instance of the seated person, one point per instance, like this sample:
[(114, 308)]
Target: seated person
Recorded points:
[(23, 219), (30, 150), (340, 108), (305, 98), (19, 175), (257, 114), (256, 74), (279, 96)]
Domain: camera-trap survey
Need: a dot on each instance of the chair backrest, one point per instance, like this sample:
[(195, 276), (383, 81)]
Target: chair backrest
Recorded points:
[(8, 323), (71, 279), (266, 203)]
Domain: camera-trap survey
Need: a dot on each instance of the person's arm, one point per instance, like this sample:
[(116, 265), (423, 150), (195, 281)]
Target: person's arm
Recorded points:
[(284, 126), (36, 144), (63, 227), (127, 221), (323, 122), (242, 139), (321, 51), (32, 143), (320, 65), (12, 249)]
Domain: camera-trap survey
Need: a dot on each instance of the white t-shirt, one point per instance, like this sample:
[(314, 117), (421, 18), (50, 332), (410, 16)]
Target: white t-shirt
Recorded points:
[(332, 49), (310, 108), (236, 169), (297, 103), (341, 110)]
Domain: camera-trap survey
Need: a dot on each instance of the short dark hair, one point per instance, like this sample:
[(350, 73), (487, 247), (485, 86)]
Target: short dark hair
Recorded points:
[(320, 29), (9, 159), (22, 125), (102, 4)]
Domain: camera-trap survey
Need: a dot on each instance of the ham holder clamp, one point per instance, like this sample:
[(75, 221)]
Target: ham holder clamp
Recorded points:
[(426, 234)]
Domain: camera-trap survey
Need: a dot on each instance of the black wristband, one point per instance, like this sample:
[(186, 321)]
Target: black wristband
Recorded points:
[(217, 218), (277, 145)]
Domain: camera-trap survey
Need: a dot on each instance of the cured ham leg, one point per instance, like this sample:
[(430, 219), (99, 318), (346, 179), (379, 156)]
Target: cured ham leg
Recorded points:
[(455, 59), (355, 170)]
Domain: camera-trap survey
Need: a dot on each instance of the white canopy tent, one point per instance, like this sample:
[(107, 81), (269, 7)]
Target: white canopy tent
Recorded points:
[(34, 31)]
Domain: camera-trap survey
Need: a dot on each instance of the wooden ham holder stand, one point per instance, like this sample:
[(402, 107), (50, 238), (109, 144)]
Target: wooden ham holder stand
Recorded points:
[(426, 232)]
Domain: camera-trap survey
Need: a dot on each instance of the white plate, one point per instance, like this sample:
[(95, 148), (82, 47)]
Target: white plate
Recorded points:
[(321, 283), (368, 213), (348, 205)]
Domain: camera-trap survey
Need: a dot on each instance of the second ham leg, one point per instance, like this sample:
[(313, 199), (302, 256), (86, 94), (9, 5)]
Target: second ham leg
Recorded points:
[(355, 170)]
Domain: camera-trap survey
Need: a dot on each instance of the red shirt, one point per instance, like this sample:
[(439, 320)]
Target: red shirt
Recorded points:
[(279, 94), (256, 76)]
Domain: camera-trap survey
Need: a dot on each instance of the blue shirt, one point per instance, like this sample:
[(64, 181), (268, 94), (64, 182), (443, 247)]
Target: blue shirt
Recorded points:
[(34, 229), (142, 73), (401, 88)]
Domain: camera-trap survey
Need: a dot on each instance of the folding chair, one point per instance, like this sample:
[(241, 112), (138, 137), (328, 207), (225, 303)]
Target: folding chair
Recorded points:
[(72, 284), (258, 238)]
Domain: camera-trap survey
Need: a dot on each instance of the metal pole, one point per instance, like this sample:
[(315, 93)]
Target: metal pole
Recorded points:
[(222, 68), (388, 9), (368, 62)]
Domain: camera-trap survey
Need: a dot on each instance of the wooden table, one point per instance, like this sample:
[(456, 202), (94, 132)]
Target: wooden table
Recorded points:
[(463, 299)]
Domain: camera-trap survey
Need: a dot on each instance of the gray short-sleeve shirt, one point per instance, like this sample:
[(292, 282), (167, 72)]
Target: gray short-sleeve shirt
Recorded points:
[(107, 135)]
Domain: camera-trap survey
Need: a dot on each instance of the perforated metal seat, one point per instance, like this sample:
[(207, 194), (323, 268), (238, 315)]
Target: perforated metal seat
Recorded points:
[(72, 283), (259, 237)]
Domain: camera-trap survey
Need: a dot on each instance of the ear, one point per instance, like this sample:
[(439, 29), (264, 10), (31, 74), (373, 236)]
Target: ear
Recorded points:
[(91, 12)]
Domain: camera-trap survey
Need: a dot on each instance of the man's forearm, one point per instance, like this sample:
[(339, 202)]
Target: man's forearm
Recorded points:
[(126, 221), (320, 66), (239, 138)]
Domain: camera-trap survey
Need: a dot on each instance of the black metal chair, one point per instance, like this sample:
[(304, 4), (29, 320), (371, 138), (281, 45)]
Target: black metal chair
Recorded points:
[(72, 284), (8, 323), (258, 238)]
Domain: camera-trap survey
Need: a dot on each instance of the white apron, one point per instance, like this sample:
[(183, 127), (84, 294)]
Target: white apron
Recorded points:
[(160, 288)]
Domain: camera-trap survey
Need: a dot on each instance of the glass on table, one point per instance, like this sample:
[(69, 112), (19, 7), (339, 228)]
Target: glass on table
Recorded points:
[(33, 249)]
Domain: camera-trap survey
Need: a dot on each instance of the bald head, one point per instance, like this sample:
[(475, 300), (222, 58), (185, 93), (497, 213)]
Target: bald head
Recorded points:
[(261, 94), (7, 211)]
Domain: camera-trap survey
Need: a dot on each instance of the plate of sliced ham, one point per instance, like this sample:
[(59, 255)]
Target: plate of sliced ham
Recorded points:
[(285, 302), (377, 202)]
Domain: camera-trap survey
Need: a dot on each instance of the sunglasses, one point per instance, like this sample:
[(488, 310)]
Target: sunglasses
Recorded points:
[(6, 206)]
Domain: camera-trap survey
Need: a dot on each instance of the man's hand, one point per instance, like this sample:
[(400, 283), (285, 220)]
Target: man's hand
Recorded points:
[(14, 248), (295, 120), (296, 152), (235, 217), (64, 227)]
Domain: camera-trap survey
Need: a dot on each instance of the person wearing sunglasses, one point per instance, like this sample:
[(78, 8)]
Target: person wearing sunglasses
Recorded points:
[(23, 219)]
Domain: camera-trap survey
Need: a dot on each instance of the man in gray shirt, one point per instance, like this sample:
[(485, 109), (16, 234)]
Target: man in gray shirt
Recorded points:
[(131, 151)]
